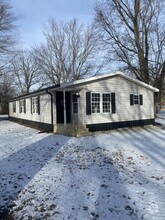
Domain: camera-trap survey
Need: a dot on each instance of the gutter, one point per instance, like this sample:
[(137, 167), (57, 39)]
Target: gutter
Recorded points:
[(51, 95), (40, 91)]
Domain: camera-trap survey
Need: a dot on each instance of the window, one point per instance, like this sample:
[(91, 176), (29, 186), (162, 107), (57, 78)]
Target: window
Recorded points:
[(74, 104), (100, 103), (136, 99), (22, 106), (35, 104), (14, 106), (95, 102), (106, 97)]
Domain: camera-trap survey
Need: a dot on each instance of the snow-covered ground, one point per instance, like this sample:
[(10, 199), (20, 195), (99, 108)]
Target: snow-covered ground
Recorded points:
[(161, 118), (110, 176)]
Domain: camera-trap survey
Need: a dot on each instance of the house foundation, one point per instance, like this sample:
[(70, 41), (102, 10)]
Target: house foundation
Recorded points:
[(76, 130)]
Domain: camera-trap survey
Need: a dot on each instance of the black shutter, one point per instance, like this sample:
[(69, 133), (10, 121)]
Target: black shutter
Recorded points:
[(113, 103), (39, 105), (25, 106), (88, 103), (31, 102), (131, 99), (141, 99)]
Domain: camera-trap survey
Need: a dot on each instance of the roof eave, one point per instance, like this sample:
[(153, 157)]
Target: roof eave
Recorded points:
[(76, 83), (154, 89), (109, 75)]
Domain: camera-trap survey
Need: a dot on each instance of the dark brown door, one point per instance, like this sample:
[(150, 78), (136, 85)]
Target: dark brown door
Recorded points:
[(60, 107)]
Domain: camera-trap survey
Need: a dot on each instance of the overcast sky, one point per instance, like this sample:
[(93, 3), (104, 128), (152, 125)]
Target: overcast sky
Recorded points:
[(35, 13)]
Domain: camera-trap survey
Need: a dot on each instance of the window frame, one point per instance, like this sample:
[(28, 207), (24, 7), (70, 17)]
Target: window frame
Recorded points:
[(35, 105), (75, 103), (106, 93), (22, 106), (14, 107), (101, 103), (136, 98), (96, 102)]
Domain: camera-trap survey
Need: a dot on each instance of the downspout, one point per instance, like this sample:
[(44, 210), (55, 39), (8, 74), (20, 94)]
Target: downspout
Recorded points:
[(51, 95)]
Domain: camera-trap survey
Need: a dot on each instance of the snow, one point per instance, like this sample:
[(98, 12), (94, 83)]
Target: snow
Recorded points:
[(161, 118), (114, 175)]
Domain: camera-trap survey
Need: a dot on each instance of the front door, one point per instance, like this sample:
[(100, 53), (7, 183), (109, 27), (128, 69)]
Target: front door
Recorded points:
[(60, 107)]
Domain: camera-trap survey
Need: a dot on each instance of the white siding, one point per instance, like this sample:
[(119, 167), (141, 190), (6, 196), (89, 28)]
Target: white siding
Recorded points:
[(54, 108), (124, 112), (45, 110), (118, 85)]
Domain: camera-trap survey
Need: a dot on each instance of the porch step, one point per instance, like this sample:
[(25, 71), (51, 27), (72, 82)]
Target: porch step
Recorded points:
[(76, 130)]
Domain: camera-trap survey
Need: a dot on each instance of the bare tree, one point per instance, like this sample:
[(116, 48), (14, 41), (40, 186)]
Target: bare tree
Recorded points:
[(134, 34), (70, 51), (8, 36), (7, 91), (26, 72), (8, 41)]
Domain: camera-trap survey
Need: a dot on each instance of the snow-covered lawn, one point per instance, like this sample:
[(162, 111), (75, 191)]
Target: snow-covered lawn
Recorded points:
[(111, 176)]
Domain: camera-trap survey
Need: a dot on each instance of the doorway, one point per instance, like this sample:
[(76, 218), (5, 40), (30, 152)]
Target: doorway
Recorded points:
[(60, 107)]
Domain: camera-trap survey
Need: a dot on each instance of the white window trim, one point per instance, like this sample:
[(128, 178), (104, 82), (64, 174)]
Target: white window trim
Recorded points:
[(14, 107), (134, 99), (101, 103), (109, 103), (35, 105), (22, 106), (77, 105)]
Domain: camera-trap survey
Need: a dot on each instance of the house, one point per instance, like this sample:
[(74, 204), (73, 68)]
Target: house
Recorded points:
[(77, 108)]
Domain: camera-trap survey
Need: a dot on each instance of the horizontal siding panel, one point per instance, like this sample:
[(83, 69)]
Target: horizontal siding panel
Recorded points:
[(45, 110), (124, 112)]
